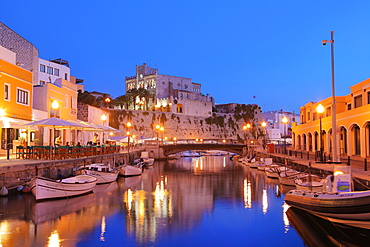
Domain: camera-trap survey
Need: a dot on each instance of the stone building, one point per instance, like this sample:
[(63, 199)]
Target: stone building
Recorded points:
[(169, 93), (352, 121)]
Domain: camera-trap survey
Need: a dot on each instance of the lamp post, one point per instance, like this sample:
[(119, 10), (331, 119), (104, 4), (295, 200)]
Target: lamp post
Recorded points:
[(55, 107), (285, 121), (128, 126), (264, 124), (320, 109), (103, 118), (333, 108)]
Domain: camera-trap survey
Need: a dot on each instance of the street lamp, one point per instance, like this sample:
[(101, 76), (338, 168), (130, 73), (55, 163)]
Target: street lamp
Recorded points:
[(320, 109), (333, 108), (128, 126), (264, 124), (55, 107), (103, 118), (285, 121)]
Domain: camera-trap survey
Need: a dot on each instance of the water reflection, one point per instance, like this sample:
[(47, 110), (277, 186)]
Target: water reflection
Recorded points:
[(172, 198), (317, 231)]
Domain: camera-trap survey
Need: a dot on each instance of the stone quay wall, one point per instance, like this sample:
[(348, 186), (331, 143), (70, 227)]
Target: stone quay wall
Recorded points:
[(14, 175)]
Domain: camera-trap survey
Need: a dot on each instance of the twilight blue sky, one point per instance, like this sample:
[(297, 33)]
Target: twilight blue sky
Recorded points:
[(236, 49)]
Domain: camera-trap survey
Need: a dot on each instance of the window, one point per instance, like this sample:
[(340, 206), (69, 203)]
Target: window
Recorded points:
[(7, 92), (65, 76), (328, 111), (358, 101), (22, 96), (50, 70), (368, 97), (42, 68), (56, 72), (349, 107)]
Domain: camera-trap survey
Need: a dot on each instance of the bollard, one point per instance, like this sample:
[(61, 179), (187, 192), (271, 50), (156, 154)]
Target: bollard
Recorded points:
[(365, 164)]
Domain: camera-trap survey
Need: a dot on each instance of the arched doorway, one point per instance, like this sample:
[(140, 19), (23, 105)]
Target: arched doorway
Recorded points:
[(316, 139), (367, 138), (356, 140), (304, 142), (299, 144), (309, 142), (343, 141)]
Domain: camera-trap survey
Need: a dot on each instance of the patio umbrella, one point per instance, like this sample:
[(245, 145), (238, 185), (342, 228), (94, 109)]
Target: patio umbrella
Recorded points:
[(53, 122)]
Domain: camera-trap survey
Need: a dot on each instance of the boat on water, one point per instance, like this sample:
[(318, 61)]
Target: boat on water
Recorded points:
[(135, 169), (46, 188), (104, 173), (263, 163), (144, 158), (274, 171), (309, 182), (337, 200), (288, 178)]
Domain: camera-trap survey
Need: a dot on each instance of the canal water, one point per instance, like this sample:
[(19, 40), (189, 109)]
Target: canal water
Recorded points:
[(200, 201)]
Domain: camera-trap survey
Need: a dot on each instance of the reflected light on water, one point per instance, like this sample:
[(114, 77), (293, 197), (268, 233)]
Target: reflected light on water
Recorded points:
[(265, 203), (285, 217), (247, 194), (54, 240), (3, 231), (224, 162), (128, 199), (102, 231)]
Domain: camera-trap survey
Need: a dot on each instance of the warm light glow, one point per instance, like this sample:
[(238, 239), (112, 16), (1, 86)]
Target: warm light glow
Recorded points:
[(264, 201), (174, 138), (285, 217), (55, 105), (247, 194), (157, 126), (103, 117), (128, 132), (128, 124), (224, 141), (320, 109), (161, 128), (263, 124), (336, 173), (54, 240), (111, 133), (165, 138), (246, 126), (201, 140), (107, 100), (284, 120), (196, 140), (103, 226), (133, 136), (2, 112)]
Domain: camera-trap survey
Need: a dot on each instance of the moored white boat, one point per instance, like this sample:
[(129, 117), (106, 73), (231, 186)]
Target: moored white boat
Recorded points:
[(102, 172), (337, 200), (131, 170), (309, 182), (45, 188), (287, 178), (274, 171), (144, 158)]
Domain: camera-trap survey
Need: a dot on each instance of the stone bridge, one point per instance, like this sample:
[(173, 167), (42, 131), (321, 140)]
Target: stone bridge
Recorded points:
[(175, 148)]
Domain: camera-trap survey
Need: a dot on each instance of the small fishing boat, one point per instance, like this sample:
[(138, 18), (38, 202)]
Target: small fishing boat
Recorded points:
[(337, 200), (144, 158), (135, 169), (102, 172), (288, 178), (309, 182), (45, 188), (274, 171), (264, 163)]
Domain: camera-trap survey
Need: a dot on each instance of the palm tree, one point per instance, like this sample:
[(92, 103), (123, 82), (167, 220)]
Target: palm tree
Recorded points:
[(122, 100), (144, 93)]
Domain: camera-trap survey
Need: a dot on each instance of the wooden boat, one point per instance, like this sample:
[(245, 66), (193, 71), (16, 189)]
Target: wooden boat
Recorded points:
[(337, 200), (288, 178), (102, 172), (264, 163), (45, 188), (309, 182), (274, 171), (135, 169)]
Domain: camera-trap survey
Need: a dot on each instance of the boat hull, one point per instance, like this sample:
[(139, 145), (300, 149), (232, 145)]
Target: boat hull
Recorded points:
[(44, 188), (343, 205), (128, 170), (103, 177)]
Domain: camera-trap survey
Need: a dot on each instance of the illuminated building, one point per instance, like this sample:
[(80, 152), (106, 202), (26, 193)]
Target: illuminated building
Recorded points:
[(353, 124)]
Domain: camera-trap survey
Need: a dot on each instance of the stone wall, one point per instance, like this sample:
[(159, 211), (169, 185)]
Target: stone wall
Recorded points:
[(220, 126)]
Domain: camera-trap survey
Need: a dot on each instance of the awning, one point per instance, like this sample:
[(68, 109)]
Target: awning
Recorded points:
[(14, 123)]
